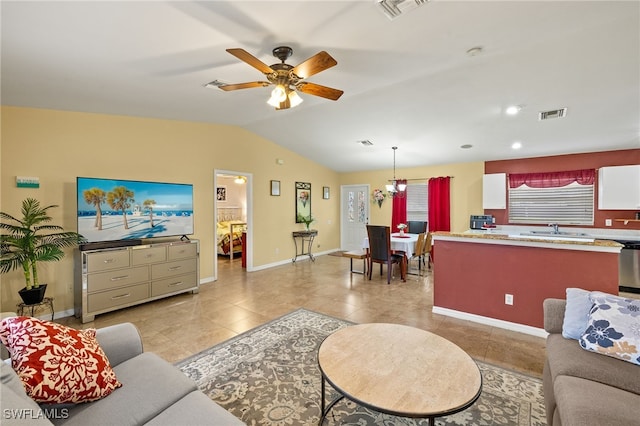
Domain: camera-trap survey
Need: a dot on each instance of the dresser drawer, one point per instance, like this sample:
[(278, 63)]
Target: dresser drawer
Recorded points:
[(117, 297), (148, 255), (182, 251), (171, 269), (114, 259), (169, 285), (119, 278)]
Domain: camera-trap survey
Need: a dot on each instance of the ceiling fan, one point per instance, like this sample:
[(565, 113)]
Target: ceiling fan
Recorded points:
[(287, 78)]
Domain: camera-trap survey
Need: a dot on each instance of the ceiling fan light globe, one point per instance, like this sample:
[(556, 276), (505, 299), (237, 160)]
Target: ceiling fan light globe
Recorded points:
[(279, 93), (273, 102), (295, 99), (402, 187)]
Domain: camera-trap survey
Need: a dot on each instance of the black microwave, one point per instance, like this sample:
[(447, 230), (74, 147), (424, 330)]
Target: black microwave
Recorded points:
[(476, 221)]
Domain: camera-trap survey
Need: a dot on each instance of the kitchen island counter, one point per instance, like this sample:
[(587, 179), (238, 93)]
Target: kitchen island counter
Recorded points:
[(476, 273), (496, 237)]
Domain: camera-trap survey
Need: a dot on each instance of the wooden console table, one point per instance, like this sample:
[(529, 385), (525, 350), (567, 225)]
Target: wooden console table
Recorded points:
[(306, 237)]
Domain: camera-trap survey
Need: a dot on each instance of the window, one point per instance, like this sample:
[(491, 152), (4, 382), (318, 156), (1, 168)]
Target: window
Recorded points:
[(567, 205), (417, 202)]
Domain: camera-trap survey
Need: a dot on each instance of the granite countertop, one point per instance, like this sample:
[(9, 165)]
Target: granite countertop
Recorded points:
[(505, 237)]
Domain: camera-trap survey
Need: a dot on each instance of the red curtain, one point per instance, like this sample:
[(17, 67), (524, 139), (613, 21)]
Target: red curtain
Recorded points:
[(552, 179), (439, 204), (399, 211)]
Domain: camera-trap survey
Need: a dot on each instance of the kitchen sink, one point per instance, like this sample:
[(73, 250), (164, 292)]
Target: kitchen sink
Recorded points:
[(561, 236), (559, 233)]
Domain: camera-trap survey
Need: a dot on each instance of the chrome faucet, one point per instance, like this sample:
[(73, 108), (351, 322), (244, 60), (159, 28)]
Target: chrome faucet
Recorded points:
[(555, 228)]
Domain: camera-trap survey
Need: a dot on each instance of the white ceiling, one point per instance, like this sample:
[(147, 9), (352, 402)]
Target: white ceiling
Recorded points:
[(407, 82)]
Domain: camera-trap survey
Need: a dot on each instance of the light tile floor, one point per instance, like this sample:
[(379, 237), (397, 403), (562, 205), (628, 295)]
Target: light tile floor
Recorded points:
[(183, 325)]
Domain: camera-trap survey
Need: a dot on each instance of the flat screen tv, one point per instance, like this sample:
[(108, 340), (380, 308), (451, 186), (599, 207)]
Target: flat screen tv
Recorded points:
[(117, 210)]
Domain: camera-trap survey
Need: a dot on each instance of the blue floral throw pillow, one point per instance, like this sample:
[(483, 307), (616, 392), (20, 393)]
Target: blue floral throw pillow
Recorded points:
[(614, 327)]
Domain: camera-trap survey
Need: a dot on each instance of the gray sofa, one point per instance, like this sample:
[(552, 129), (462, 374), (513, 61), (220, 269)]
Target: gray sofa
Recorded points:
[(154, 392), (583, 387)]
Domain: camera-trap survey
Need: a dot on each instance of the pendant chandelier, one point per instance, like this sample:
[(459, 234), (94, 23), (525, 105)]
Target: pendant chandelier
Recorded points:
[(396, 189)]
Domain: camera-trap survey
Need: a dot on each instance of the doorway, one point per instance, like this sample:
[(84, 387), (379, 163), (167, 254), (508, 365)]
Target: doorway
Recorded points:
[(233, 216), (354, 216)]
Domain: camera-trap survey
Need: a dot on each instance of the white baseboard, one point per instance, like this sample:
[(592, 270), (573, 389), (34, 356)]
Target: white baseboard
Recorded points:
[(288, 261), (521, 328), (63, 314), (206, 280)]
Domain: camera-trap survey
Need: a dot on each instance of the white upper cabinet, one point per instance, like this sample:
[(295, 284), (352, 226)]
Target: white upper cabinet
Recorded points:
[(494, 191), (619, 188)]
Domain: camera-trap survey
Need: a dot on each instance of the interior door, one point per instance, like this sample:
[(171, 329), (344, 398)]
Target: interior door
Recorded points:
[(354, 215)]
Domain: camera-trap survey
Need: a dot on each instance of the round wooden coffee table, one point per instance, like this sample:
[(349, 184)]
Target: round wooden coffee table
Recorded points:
[(398, 370)]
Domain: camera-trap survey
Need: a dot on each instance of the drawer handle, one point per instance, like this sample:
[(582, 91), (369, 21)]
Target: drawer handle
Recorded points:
[(149, 256), (175, 284), (122, 296), (109, 260), (121, 277), (175, 268)]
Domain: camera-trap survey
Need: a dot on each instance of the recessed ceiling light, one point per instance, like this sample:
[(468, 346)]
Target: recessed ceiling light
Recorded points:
[(466, 146), (513, 110), (516, 145)]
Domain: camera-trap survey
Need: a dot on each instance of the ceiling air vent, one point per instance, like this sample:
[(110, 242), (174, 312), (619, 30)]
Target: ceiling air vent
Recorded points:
[(395, 8), (554, 113), (215, 83), (365, 142)]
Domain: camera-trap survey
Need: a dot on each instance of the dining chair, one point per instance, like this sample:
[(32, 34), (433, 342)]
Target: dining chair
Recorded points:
[(418, 252), (416, 227), (380, 252), (426, 251)]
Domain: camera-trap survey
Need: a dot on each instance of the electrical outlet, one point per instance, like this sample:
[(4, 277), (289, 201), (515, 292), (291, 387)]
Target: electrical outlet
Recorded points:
[(607, 222), (508, 299), (277, 250)]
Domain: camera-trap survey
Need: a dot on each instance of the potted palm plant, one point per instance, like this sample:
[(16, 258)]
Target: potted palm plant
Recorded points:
[(31, 239)]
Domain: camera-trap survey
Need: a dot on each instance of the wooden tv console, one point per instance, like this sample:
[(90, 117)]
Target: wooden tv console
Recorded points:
[(114, 278)]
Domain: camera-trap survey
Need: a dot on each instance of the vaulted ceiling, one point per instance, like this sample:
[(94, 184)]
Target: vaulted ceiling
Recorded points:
[(415, 82)]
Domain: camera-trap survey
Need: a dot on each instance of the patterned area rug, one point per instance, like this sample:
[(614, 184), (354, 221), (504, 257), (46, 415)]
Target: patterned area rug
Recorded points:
[(270, 376)]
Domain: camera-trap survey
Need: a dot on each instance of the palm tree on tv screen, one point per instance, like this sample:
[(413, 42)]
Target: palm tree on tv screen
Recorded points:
[(120, 198), (95, 197), (148, 204)]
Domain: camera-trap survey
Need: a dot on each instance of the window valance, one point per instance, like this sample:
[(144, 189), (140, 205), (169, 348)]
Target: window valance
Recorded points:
[(552, 179)]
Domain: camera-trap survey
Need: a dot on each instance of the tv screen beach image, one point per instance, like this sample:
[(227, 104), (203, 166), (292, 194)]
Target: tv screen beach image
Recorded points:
[(111, 210)]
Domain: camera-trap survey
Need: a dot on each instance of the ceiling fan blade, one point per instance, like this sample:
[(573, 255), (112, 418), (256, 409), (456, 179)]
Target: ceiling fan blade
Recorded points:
[(252, 84), (247, 57), (319, 62), (318, 90)]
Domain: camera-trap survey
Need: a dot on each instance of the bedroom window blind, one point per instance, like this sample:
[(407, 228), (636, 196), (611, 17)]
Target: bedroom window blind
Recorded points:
[(417, 201), (568, 205)]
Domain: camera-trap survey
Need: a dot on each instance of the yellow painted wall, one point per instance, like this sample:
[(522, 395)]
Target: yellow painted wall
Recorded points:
[(58, 146), (466, 190)]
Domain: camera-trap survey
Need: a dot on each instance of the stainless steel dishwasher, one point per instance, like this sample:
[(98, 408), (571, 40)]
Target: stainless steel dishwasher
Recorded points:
[(629, 269)]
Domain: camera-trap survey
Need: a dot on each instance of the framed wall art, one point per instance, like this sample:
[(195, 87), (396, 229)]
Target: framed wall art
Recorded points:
[(303, 201), (221, 193), (275, 187)]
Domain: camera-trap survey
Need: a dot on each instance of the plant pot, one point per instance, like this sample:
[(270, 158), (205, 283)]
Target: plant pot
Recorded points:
[(34, 295)]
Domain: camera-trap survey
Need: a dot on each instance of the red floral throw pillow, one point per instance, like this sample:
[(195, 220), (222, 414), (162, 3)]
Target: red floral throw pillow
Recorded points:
[(57, 364)]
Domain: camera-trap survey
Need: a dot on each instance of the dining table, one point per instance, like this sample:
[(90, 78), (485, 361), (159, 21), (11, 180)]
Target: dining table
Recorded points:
[(405, 243)]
